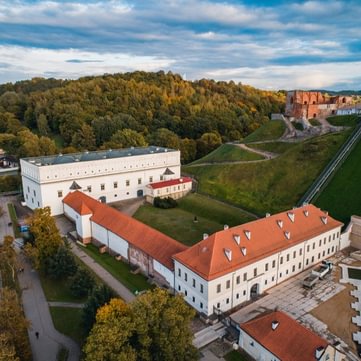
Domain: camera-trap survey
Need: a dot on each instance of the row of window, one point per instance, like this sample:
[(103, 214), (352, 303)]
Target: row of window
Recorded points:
[(193, 298), (194, 283)]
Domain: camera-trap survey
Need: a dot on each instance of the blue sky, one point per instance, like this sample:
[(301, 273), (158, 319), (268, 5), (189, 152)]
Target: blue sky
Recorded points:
[(267, 44)]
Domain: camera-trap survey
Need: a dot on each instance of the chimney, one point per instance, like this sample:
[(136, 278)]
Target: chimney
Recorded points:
[(319, 352), (244, 251), (291, 216), (305, 213), (324, 220), (237, 238), (205, 235), (228, 254), (225, 227), (274, 325), (287, 234), (326, 213), (280, 223), (248, 234), (268, 215)]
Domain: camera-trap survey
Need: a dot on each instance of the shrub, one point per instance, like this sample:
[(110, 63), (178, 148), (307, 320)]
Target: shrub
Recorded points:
[(82, 283), (165, 203)]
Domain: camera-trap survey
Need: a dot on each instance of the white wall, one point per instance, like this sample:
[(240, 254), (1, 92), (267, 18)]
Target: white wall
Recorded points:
[(118, 244), (165, 272)]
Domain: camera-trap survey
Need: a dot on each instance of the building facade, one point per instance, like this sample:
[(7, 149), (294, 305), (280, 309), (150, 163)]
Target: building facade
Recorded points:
[(237, 264), (109, 176), (309, 104)]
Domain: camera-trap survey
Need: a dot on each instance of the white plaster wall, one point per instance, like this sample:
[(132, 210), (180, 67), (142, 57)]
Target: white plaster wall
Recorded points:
[(253, 348), (72, 214), (118, 244), (85, 225), (165, 272), (99, 233)]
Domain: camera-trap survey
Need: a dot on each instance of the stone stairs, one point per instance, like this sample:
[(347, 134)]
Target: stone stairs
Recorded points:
[(209, 334)]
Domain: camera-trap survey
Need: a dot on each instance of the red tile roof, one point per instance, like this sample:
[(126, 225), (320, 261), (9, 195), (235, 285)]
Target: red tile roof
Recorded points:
[(168, 183), (208, 257), (154, 243), (290, 341)]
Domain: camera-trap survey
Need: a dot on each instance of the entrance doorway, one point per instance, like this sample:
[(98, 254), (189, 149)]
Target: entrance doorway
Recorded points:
[(254, 291), (140, 193), (103, 199)]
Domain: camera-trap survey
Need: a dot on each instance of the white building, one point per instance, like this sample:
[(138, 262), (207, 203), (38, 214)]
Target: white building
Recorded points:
[(237, 264), (106, 175), (124, 236), (354, 109), (277, 337)]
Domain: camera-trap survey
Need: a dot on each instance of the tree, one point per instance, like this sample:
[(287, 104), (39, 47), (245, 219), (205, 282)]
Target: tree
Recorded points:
[(8, 262), (13, 323), (164, 138), (47, 239), (207, 143), (42, 123), (7, 349), (84, 138), (126, 138), (46, 146), (99, 297), (153, 327), (188, 148), (82, 282), (62, 264)]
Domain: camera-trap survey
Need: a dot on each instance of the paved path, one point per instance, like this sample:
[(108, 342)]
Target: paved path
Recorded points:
[(111, 281), (267, 155), (66, 304), (37, 312)]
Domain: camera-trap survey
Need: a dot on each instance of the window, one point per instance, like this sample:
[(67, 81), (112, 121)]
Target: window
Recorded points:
[(201, 288), (251, 343), (328, 251), (60, 194), (238, 280), (286, 271), (28, 189), (319, 256), (281, 260), (308, 248), (265, 282), (334, 235), (294, 254), (273, 278), (237, 296), (179, 288), (185, 276), (300, 253), (150, 179), (139, 180), (102, 186), (313, 245), (193, 282), (255, 272), (219, 288), (89, 188), (115, 185), (266, 267), (34, 193), (193, 299), (244, 292), (244, 276), (161, 177), (287, 258), (329, 238), (280, 274), (38, 204), (201, 304), (273, 264), (218, 305), (306, 261), (228, 284), (293, 268), (320, 243), (127, 183), (227, 301), (179, 272), (324, 241), (186, 292), (299, 265), (323, 253), (332, 249), (312, 259)]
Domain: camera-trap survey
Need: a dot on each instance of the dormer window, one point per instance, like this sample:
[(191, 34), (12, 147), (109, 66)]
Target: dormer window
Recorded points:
[(280, 223), (248, 234), (287, 234), (228, 254), (237, 238), (291, 216)]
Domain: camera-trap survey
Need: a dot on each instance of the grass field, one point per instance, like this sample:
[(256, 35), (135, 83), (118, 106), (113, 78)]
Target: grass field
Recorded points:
[(119, 269), (270, 130), (354, 273), (344, 120), (236, 356), (342, 196), (67, 320), (274, 147), (179, 224), (228, 153), (274, 185)]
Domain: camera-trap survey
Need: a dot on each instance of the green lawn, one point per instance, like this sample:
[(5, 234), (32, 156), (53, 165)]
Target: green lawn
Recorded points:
[(68, 321), (344, 120), (270, 130), (274, 147), (274, 185), (120, 270), (342, 196), (236, 356), (179, 224), (314, 122), (228, 153), (354, 273)]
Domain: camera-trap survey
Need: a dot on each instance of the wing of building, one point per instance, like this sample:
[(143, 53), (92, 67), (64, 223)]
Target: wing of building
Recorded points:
[(237, 264), (276, 336), (110, 175)]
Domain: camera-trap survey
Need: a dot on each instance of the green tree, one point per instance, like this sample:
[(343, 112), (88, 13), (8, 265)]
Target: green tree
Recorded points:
[(82, 282), (62, 264), (8, 261), (164, 138), (7, 349), (84, 138), (126, 138), (100, 296), (42, 124), (47, 146), (207, 143), (188, 148)]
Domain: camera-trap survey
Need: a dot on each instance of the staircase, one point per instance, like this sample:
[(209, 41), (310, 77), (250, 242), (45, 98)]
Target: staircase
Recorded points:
[(208, 335)]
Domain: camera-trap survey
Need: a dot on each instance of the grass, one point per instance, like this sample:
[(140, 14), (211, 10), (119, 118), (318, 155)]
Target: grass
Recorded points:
[(342, 196), (314, 122), (344, 120), (119, 269), (354, 273), (228, 153), (14, 220), (235, 356), (179, 224), (62, 354), (274, 185), (274, 147), (270, 130), (68, 321)]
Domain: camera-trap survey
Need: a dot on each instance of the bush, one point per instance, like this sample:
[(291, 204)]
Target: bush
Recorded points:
[(82, 283), (165, 203), (62, 264)]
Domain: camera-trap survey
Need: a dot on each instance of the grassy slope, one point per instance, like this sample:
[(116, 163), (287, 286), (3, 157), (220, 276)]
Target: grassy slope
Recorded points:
[(228, 153), (342, 196), (274, 185), (345, 120), (271, 130), (179, 222), (275, 147)]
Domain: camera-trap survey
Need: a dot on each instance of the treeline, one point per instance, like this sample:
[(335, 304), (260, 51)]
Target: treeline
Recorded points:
[(42, 116)]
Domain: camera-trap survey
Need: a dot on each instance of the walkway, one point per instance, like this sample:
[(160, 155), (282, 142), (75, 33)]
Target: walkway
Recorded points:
[(111, 281), (37, 312), (267, 155), (66, 304)]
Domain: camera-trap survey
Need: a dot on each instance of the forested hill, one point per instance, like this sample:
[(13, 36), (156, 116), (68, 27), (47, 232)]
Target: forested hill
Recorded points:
[(131, 109)]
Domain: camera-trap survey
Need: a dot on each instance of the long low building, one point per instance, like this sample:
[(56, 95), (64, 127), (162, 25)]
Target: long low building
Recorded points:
[(109, 176)]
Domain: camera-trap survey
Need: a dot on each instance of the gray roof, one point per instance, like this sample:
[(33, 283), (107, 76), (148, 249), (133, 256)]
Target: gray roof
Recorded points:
[(96, 155)]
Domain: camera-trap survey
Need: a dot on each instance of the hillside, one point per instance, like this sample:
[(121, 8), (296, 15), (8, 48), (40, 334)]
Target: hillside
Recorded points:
[(130, 109)]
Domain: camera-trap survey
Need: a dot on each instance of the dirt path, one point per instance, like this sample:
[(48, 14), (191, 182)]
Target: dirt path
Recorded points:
[(228, 162), (267, 155)]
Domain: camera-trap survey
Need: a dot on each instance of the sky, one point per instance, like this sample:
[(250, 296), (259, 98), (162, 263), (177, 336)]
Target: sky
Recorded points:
[(267, 44)]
